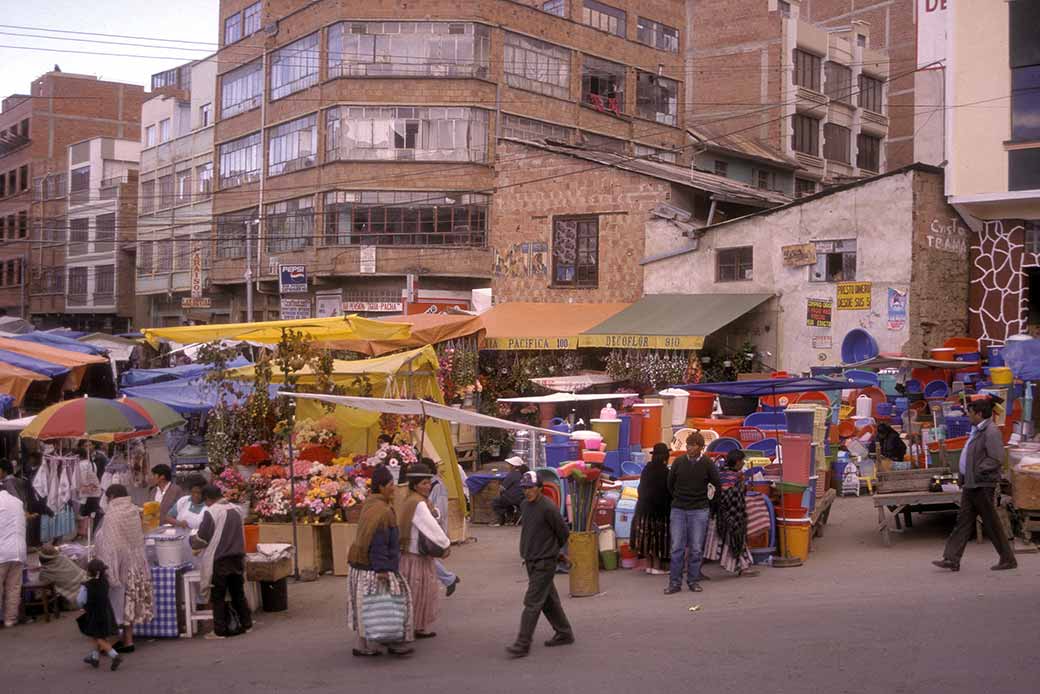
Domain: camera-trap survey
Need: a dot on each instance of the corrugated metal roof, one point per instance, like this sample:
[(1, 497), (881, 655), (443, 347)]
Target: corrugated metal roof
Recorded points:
[(716, 139), (726, 188)]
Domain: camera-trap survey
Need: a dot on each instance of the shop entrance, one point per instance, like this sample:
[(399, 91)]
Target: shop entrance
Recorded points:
[(1032, 287)]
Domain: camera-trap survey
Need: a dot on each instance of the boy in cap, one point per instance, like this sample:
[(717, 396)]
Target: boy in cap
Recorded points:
[(543, 535)]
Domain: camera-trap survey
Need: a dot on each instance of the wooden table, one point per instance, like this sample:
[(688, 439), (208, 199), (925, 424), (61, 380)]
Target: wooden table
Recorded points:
[(892, 506)]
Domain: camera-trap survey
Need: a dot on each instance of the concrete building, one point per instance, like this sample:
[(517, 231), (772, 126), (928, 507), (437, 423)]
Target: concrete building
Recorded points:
[(175, 229), (36, 130), (886, 254), (102, 224), (828, 82), (994, 169), (358, 144), (744, 160)]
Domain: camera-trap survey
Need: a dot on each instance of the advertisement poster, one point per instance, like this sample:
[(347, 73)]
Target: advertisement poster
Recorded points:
[(292, 279), (799, 255), (818, 313), (822, 342), (295, 309), (896, 309), (854, 296)]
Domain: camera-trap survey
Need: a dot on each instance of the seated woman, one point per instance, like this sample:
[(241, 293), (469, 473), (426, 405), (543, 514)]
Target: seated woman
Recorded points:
[(187, 512)]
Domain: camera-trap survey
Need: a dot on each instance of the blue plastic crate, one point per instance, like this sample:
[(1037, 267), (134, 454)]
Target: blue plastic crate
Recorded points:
[(556, 454)]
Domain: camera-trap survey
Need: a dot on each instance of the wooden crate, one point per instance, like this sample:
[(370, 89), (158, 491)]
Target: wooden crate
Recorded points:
[(313, 546), (482, 511), (342, 536), (268, 571), (894, 481)]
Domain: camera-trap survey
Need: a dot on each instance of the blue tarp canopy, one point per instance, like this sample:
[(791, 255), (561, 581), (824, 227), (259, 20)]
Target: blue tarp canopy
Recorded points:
[(186, 397), (776, 386), (61, 342), (186, 372), (38, 365)]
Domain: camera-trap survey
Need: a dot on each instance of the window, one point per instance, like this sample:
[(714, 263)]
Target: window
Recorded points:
[(166, 191), (409, 49), (1032, 241), (3, 186), (23, 128), (289, 225), (1025, 103), (861, 40), (837, 143), (733, 264), (424, 134), (294, 67), (104, 285), (657, 98), (293, 145), (233, 28), (144, 259), (205, 115), (721, 168), (763, 179), (806, 70), (79, 236), (804, 187), (645, 151), (604, 143), (79, 186), (147, 196), (784, 7), (657, 35), (23, 177), (164, 130), (839, 81), (575, 252), (231, 232), (181, 253), (1024, 169), (537, 66), (9, 232), (556, 7), (868, 152), (240, 161), (105, 233), (603, 17), (77, 285), (388, 218), (204, 177), (603, 84), (870, 93), (251, 19), (23, 224), (54, 186), (149, 136), (183, 186), (806, 137), (240, 89), (529, 129), (835, 261), (164, 255)]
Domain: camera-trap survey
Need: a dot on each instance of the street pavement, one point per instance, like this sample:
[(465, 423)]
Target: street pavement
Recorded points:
[(857, 617)]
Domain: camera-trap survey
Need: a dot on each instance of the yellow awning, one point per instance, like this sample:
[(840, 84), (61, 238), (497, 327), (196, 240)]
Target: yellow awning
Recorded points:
[(525, 325), (270, 332)]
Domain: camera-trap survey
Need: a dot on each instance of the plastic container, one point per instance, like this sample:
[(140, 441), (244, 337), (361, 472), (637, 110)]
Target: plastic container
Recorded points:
[(610, 430), (252, 536), (995, 355), (858, 345), (943, 353), (650, 432), (796, 457), (608, 560), (680, 404), (700, 404), (737, 405), (801, 421), (608, 412), (594, 456), (612, 463), (274, 595), (623, 515), (603, 514), (864, 406), (607, 540), (584, 572), (936, 389), (793, 535), (625, 436), (1001, 376), (635, 429), (556, 454), (561, 426), (171, 546)]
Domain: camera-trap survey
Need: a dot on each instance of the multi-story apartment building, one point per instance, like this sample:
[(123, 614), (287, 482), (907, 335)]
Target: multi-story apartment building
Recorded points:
[(360, 142), (36, 130), (175, 225), (993, 176), (813, 80), (102, 233)]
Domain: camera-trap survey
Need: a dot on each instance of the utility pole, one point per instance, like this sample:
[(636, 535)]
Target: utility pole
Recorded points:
[(249, 269)]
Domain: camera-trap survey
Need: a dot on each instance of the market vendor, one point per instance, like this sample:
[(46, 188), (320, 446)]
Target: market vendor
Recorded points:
[(507, 503), (189, 510), (62, 572), (890, 444), (162, 490)]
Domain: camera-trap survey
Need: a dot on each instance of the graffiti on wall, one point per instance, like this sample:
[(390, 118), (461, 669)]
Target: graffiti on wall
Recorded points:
[(522, 260), (998, 301), (949, 236)]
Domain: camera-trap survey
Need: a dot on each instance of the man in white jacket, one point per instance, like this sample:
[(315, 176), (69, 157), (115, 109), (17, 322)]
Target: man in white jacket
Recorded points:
[(12, 554)]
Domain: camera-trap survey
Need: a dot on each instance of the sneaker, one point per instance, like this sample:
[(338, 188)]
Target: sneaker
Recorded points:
[(657, 572), (518, 651), (92, 661), (116, 662), (696, 588), (672, 590)]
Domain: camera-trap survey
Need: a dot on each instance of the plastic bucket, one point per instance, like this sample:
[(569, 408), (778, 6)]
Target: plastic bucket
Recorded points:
[(274, 595), (651, 422), (1001, 376), (252, 534), (943, 353), (794, 537), (584, 573), (700, 404), (608, 560), (680, 404), (610, 429)]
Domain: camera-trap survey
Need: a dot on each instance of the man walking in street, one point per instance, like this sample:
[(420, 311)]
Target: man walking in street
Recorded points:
[(12, 555), (542, 537), (223, 562), (981, 461), (688, 484)]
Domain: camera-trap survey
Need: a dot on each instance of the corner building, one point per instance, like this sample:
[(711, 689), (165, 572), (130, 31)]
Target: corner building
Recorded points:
[(359, 140)]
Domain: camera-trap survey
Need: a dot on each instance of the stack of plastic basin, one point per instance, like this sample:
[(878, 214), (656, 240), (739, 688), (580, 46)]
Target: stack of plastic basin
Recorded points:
[(612, 463), (796, 457)]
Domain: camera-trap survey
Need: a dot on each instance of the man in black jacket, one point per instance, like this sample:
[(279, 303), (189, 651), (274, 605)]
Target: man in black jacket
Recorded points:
[(542, 538), (688, 484)]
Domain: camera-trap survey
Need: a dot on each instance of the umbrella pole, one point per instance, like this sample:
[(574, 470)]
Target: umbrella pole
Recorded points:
[(786, 561), (292, 467)]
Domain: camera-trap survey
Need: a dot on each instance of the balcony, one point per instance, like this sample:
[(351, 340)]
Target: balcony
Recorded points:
[(875, 118), (809, 160), (104, 298), (76, 299)]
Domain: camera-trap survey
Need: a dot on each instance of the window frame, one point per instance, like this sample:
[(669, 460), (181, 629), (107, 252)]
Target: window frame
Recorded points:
[(452, 50), (150, 135), (721, 168), (655, 34), (206, 115), (1031, 236), (601, 16), (283, 222), (377, 131), (164, 130), (204, 178), (242, 79), (804, 193), (1025, 92), (808, 65), (533, 56), (292, 134), (742, 263), (824, 260), (838, 144), (803, 124), (658, 97), (230, 244), (295, 66), (434, 219), (524, 128), (252, 145), (593, 68), (868, 145), (871, 93), (557, 8), (841, 77), (591, 270)]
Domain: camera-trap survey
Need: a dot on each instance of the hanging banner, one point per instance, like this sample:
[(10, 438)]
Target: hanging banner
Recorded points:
[(896, 309), (368, 260), (819, 313), (853, 296), (196, 274)]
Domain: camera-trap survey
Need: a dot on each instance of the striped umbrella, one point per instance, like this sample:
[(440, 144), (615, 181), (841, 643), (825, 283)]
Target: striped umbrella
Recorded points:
[(163, 417), (87, 418)]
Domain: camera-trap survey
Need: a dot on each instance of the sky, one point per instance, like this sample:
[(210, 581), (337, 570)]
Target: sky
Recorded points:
[(148, 20)]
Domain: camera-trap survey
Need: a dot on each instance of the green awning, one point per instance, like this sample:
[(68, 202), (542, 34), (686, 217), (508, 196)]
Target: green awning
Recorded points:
[(670, 321)]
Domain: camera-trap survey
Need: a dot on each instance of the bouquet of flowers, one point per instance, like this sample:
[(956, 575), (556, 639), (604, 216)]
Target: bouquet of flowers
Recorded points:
[(233, 486), (274, 505), (321, 498), (322, 432)]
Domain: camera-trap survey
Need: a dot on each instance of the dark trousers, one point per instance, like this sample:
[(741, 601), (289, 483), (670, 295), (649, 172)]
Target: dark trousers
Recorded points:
[(977, 502), (541, 598), (229, 581), (503, 508)]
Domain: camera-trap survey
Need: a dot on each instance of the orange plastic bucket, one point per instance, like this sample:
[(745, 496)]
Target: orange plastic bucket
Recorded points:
[(651, 432), (252, 536)]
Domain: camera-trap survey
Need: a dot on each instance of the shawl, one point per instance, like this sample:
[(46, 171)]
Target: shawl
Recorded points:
[(120, 541), (218, 512), (64, 573), (408, 516), (654, 498), (376, 514)]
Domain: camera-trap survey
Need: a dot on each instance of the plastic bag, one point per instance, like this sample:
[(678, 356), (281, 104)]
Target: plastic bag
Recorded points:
[(383, 616)]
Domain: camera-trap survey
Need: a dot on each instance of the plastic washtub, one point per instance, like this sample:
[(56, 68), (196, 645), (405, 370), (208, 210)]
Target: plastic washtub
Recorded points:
[(858, 345), (936, 389)]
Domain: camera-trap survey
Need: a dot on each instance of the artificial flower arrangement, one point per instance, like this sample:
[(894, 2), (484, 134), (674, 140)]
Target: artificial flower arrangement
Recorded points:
[(233, 486), (322, 432), (580, 471)]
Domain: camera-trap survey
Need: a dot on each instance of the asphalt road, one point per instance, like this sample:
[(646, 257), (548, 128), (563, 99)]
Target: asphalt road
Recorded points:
[(857, 617)]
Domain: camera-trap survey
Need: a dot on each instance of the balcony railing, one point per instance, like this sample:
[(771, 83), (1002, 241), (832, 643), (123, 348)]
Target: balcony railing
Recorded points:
[(104, 298), (459, 236), (76, 299)]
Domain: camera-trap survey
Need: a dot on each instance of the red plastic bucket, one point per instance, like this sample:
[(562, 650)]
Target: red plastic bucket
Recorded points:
[(700, 404)]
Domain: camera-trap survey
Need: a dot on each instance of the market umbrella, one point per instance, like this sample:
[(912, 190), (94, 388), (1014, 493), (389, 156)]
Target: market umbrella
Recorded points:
[(773, 387), (162, 417), (86, 418)]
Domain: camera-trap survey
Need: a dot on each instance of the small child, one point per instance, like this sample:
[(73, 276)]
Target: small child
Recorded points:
[(98, 621)]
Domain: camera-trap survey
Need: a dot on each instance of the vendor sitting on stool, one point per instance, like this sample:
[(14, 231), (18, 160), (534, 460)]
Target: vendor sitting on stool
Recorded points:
[(507, 504)]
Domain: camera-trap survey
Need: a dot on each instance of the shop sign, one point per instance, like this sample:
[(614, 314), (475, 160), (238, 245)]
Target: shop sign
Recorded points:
[(822, 342), (429, 307), (196, 274), (368, 260), (329, 304), (819, 313), (295, 309), (854, 296), (292, 279), (373, 306), (511, 343), (799, 254), (643, 341), (196, 302), (896, 309)]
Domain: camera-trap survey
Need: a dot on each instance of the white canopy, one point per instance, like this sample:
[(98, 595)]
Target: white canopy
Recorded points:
[(896, 361), (570, 397), (574, 383), (15, 424), (424, 408)]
